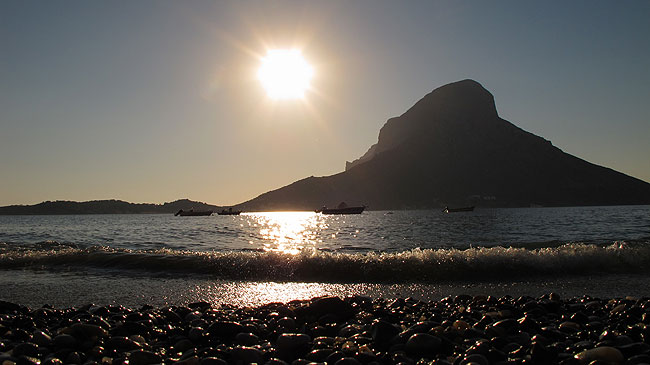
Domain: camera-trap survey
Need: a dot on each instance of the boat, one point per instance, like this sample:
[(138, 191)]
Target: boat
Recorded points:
[(456, 210), (342, 208), (229, 212), (193, 213)]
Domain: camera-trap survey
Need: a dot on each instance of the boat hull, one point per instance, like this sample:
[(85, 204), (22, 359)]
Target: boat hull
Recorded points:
[(348, 210), (194, 214), (456, 210)]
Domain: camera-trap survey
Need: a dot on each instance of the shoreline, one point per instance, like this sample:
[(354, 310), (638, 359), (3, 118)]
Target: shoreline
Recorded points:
[(454, 330), (73, 288)]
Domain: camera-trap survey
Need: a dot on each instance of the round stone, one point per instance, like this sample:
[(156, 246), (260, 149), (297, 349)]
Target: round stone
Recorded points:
[(246, 355), (603, 353), (292, 343), (64, 341), (140, 357), (41, 338), (247, 339), (423, 344)]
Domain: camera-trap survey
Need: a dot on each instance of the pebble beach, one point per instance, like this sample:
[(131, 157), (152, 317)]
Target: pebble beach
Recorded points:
[(331, 330)]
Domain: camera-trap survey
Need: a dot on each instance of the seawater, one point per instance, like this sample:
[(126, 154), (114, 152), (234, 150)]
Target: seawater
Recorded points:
[(260, 257)]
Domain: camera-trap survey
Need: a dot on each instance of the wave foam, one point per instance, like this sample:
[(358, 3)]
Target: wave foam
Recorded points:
[(417, 265)]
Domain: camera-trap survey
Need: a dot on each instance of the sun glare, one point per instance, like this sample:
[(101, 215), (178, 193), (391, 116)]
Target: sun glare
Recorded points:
[(285, 74)]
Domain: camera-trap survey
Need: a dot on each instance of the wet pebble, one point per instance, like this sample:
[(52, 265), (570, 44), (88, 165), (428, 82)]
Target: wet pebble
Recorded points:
[(423, 344), (459, 330), (141, 357), (604, 354)]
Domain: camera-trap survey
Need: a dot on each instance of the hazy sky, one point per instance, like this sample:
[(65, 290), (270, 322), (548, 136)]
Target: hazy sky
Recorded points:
[(152, 101)]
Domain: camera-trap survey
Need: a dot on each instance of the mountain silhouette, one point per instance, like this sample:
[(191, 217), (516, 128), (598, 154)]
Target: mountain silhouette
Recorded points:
[(452, 148)]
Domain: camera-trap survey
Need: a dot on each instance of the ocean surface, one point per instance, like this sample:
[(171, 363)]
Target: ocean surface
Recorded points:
[(254, 258)]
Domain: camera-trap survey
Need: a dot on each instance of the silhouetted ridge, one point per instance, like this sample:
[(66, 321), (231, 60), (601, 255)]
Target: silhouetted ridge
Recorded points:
[(104, 207), (452, 148)]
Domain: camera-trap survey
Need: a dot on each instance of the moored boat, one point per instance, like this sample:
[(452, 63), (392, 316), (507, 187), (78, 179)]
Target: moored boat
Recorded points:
[(229, 212), (456, 210), (193, 213), (341, 209)]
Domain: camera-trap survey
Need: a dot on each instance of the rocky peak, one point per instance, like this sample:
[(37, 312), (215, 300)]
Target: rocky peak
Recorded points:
[(458, 106)]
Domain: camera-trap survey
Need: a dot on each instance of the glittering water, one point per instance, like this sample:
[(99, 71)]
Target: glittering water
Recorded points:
[(260, 257)]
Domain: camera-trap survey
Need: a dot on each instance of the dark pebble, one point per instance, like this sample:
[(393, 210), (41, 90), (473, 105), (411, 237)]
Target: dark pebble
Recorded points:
[(465, 329), (141, 357)]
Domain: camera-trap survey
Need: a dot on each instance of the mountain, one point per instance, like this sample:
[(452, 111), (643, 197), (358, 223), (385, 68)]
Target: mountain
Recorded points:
[(104, 207), (452, 148)]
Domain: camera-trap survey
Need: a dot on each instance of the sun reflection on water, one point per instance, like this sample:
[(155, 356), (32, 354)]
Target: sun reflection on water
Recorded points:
[(288, 232)]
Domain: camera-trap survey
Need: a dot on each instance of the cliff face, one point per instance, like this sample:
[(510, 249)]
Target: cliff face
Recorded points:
[(452, 148)]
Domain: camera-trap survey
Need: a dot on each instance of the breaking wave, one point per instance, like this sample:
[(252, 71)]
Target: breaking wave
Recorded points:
[(417, 265)]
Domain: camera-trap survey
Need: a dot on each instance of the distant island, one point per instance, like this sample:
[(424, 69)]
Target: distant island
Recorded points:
[(452, 148), (105, 207)]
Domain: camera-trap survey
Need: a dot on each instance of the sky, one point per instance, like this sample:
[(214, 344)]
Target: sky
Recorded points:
[(153, 101)]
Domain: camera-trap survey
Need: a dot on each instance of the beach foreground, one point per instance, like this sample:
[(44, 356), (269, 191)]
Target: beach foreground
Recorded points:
[(454, 330)]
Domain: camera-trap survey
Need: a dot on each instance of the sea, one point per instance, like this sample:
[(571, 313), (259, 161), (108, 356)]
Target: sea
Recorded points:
[(256, 258)]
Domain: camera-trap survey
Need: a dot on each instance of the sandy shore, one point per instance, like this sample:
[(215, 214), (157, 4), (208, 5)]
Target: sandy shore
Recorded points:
[(455, 330)]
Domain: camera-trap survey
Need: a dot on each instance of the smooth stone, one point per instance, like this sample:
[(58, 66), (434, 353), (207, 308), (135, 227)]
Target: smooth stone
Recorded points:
[(41, 338), (475, 359), (122, 343), (460, 325), (274, 361), (334, 357), (604, 353), (64, 341), (638, 359), (348, 361), (300, 362), (541, 354), (619, 308), (289, 342), (319, 355), (192, 316), (83, 330), (183, 345), (73, 358), (633, 349), (130, 328), (28, 360), (286, 323), (569, 327), (25, 349), (383, 332), (195, 334), (225, 329), (331, 305), (291, 346), (9, 307), (213, 361), (189, 361), (188, 354), (422, 344), (200, 305), (52, 361), (246, 355), (140, 357), (247, 339)]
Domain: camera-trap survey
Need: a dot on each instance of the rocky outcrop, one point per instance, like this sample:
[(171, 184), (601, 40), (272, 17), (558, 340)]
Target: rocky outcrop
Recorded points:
[(452, 148)]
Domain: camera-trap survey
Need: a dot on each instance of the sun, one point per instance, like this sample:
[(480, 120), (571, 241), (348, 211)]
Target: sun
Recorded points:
[(285, 74)]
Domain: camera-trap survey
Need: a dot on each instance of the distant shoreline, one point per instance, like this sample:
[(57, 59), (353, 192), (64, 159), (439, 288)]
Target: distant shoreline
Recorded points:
[(98, 207)]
